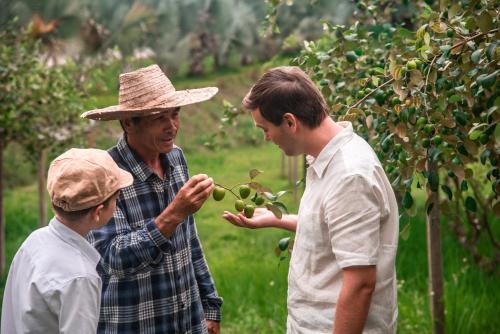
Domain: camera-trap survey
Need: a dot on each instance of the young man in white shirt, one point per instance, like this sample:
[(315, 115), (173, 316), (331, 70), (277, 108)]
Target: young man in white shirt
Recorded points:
[(342, 269), (53, 285)]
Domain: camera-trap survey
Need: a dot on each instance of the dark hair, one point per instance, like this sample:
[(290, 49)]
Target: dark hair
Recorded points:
[(78, 215), (287, 89), (136, 120)]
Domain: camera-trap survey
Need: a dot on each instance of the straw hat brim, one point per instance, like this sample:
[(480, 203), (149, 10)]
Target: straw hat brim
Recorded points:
[(177, 99)]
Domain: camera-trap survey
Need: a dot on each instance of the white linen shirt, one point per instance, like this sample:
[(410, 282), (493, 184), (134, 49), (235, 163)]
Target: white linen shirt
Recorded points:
[(348, 216), (53, 286)]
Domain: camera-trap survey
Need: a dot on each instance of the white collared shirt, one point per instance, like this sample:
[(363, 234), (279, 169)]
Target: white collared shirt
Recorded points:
[(348, 216), (53, 286)]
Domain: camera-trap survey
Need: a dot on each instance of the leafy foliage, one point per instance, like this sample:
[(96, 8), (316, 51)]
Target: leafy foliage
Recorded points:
[(428, 95)]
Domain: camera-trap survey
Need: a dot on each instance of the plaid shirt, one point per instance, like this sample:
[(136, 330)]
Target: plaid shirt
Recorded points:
[(152, 284)]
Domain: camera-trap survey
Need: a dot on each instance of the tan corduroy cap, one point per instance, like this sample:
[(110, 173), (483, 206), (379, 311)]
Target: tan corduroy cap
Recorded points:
[(148, 91), (83, 178)]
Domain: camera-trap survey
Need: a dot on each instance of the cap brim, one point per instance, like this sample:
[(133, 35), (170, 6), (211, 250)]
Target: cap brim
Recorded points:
[(178, 99), (125, 179)]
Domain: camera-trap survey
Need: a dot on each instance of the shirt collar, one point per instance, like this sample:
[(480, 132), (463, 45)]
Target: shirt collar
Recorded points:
[(325, 156), (74, 239), (135, 163)]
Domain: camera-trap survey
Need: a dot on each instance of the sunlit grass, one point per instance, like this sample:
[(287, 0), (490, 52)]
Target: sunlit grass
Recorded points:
[(253, 284)]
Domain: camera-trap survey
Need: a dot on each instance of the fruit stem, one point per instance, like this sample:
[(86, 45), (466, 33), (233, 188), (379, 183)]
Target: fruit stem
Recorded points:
[(230, 190)]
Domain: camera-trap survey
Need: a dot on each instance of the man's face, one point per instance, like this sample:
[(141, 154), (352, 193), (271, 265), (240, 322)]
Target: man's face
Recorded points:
[(156, 133), (278, 134)]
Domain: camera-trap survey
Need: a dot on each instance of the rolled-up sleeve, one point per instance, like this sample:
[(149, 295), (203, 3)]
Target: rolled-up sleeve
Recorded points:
[(126, 251), (353, 217)]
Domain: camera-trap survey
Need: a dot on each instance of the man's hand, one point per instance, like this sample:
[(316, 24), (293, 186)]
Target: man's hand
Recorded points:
[(213, 327), (262, 218), (188, 200)]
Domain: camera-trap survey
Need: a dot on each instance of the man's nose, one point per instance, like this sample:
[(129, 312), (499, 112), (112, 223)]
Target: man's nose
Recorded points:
[(170, 123)]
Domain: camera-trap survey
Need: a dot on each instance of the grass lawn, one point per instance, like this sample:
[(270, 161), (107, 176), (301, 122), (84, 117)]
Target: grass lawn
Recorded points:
[(253, 284)]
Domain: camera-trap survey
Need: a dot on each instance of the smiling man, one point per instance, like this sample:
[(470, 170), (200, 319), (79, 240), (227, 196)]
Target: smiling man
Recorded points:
[(342, 274), (154, 273)]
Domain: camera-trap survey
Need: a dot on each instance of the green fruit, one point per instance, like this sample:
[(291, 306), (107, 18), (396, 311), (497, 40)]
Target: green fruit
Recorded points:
[(426, 143), (421, 121), (395, 100), (411, 65), (429, 129), (361, 93), (437, 140), (483, 138), (259, 200), (351, 56), (379, 97), (248, 210), (218, 193), (398, 148), (450, 32), (419, 63), (239, 205), (244, 191)]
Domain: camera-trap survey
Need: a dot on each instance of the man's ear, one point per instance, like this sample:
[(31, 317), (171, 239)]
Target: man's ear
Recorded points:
[(290, 120), (127, 125)]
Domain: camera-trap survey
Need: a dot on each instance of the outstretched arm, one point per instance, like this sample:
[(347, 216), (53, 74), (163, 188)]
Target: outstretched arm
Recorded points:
[(262, 218)]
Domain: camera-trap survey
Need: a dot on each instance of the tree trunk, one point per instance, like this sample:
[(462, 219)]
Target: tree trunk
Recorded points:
[(2, 215), (42, 208), (435, 261)]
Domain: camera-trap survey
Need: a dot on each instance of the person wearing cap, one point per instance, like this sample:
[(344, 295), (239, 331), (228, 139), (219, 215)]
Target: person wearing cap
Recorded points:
[(342, 276), (154, 272), (53, 285)]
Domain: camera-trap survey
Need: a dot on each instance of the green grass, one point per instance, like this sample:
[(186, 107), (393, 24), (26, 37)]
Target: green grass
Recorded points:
[(253, 284)]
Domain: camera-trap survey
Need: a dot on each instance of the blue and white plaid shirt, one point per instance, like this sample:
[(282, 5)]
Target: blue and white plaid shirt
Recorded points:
[(152, 284)]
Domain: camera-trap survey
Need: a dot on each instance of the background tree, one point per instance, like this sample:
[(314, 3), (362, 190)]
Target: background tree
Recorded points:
[(20, 80), (427, 101)]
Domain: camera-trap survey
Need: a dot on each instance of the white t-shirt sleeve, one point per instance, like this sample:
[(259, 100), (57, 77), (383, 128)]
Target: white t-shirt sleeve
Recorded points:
[(353, 217), (79, 303)]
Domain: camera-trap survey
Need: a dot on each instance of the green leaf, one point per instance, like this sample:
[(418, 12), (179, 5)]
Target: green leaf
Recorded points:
[(429, 208), (485, 22), (484, 156), (447, 191), (283, 243), (454, 99), (433, 179), (470, 204), (270, 196), (280, 206), (475, 134), (476, 56), (281, 193), (490, 51), (405, 232), (275, 210), (464, 186), (407, 201)]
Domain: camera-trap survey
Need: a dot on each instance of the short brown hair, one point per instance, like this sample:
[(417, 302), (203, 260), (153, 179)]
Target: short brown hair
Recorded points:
[(287, 89), (73, 216)]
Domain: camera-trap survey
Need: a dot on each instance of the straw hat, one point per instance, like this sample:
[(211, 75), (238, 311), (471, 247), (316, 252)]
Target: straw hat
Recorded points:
[(148, 91)]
